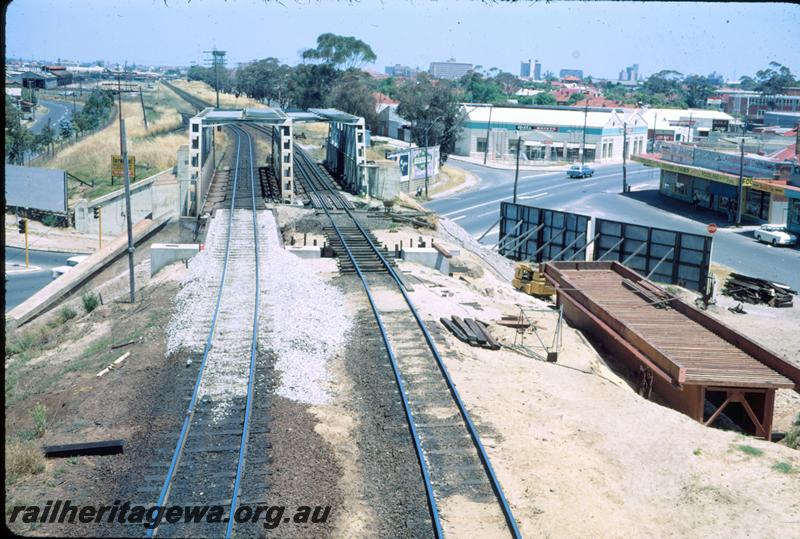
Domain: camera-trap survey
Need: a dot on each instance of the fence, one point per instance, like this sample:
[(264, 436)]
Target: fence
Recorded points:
[(536, 234)]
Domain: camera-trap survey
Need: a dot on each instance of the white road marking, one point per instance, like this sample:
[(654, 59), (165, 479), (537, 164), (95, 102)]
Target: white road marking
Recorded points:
[(457, 218), (531, 197), (462, 210), (484, 214)]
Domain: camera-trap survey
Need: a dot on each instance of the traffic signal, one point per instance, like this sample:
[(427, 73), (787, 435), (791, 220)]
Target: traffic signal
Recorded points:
[(22, 226), (96, 212)]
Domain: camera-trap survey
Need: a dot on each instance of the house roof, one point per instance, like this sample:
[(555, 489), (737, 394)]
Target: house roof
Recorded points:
[(785, 154), (383, 98)]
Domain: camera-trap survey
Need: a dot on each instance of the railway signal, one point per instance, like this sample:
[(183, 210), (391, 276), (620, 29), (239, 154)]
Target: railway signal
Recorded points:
[(22, 226), (97, 212)]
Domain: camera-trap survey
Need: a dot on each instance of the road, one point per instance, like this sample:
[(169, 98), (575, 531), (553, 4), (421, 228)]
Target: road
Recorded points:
[(20, 285), (56, 111), (476, 209)]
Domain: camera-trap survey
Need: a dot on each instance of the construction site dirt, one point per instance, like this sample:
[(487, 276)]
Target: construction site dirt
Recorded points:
[(576, 449)]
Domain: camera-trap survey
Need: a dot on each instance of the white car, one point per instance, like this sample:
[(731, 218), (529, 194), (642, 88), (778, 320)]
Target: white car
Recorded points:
[(775, 235), (72, 261)]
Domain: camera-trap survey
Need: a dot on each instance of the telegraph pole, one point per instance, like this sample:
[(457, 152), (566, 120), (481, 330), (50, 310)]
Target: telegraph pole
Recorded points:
[(741, 186), (426, 161), (217, 59), (127, 180), (516, 174)]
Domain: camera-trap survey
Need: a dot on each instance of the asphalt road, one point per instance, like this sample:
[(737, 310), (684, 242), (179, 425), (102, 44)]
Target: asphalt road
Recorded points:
[(476, 209), (56, 111), (20, 285)]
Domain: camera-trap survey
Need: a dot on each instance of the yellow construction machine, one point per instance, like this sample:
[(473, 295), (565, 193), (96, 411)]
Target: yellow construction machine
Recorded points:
[(531, 281)]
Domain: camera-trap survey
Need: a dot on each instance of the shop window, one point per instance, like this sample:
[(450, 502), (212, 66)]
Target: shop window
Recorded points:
[(757, 204), (481, 145), (794, 212)]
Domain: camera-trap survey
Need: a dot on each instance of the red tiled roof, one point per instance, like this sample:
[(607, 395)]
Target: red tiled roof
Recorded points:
[(383, 98), (787, 153)]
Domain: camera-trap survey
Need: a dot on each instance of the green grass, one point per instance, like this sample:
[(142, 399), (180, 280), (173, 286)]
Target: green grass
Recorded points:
[(90, 301), (66, 314), (39, 414), (750, 450), (696, 452), (784, 467)]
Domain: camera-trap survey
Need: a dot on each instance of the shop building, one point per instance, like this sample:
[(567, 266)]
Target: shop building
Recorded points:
[(550, 133)]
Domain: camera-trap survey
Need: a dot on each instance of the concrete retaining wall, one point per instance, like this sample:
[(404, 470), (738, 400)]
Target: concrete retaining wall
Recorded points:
[(156, 196), (163, 254), (427, 256)]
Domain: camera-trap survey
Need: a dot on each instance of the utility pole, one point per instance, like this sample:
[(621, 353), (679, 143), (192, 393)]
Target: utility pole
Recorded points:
[(126, 172), (488, 129), (655, 123), (426, 161), (516, 174), (624, 156), (740, 202), (583, 143), (217, 60), (144, 113)]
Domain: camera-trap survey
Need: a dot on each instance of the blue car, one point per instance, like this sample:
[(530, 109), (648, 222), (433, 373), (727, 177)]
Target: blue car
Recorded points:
[(580, 171)]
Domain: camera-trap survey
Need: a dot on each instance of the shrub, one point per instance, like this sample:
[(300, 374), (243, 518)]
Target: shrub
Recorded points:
[(19, 343), (22, 459), (39, 419), (67, 313), (50, 220), (90, 301)]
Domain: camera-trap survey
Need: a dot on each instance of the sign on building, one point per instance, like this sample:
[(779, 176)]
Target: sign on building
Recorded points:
[(118, 168)]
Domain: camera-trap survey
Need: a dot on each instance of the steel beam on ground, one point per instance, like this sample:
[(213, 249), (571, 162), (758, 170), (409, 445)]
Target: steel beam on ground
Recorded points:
[(636, 252), (488, 229)]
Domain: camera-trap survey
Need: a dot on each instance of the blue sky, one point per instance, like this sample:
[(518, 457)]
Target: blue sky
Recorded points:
[(599, 37)]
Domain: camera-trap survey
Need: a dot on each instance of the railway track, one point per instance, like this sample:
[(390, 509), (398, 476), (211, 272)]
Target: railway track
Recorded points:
[(209, 462), (452, 459)]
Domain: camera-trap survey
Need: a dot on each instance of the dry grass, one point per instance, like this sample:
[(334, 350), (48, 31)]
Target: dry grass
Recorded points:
[(207, 94), (155, 148), (23, 459), (449, 178)]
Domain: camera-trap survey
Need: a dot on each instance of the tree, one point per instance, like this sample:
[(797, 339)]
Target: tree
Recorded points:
[(478, 89), (340, 51), (46, 138), (775, 79), (509, 82), (574, 98), (352, 93), (544, 98), (432, 108), (266, 79), (309, 84), (65, 129), (388, 86), (664, 82), (747, 83), (697, 90), (19, 140)]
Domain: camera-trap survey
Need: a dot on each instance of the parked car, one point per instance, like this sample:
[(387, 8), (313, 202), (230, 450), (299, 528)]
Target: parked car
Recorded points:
[(775, 235), (580, 171), (72, 261)]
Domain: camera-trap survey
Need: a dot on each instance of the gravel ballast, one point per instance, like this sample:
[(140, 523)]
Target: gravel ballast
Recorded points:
[(304, 323)]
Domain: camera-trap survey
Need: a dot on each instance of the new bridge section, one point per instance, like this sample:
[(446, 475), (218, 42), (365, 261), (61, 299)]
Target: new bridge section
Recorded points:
[(698, 365)]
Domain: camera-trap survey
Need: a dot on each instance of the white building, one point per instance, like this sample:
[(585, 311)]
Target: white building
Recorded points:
[(685, 125), (550, 134)]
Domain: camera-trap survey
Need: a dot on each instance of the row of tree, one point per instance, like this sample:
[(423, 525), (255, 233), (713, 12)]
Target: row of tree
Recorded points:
[(21, 143)]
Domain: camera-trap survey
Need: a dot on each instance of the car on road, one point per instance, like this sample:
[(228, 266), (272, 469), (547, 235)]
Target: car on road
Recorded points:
[(72, 261), (580, 171), (775, 235)]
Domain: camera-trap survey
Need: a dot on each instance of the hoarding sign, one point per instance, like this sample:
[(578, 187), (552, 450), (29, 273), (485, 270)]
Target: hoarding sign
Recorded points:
[(118, 168), (42, 189)]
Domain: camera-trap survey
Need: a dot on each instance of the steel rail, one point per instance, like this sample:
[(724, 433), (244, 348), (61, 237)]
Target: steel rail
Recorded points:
[(206, 349), (253, 346), (495, 484), (432, 506)]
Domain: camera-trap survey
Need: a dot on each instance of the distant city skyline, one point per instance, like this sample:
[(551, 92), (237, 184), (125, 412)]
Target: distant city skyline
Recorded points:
[(598, 38)]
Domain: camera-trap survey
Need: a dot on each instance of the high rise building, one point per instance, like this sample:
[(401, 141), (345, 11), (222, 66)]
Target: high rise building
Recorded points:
[(449, 70), (630, 73), (525, 69), (537, 70)]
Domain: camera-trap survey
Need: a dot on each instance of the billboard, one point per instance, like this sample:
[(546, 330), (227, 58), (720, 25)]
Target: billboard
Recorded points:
[(42, 189), (418, 159)]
